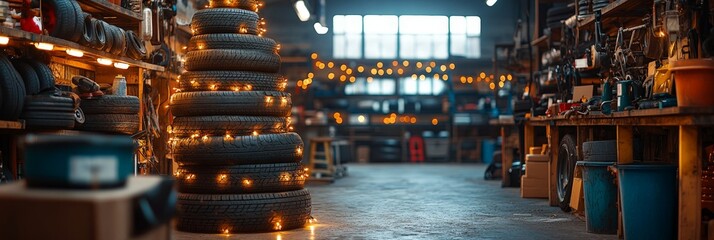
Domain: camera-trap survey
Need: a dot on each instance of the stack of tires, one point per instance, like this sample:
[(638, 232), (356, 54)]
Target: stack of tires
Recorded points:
[(239, 167), (110, 114)]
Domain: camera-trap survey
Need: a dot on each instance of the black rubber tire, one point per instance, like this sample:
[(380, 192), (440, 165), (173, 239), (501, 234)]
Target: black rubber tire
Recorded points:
[(100, 35), (110, 104), (232, 41), (249, 103), (231, 80), (121, 44), (112, 39), (109, 37), (567, 157), (232, 125), (48, 112), (76, 32), (13, 91), (236, 213), (232, 59), (44, 74), (126, 124), (224, 20), (251, 5), (256, 178), (219, 150), (599, 148), (135, 47), (65, 19), (88, 35), (29, 77)]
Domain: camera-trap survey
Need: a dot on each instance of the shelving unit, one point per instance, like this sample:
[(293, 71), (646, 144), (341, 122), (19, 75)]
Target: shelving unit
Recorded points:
[(110, 13), (618, 13)]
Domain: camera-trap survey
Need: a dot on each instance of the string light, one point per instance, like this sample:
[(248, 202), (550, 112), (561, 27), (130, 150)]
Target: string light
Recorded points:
[(509, 77), (443, 68), (348, 71), (343, 78), (434, 121), (360, 69), (298, 151), (268, 99), (343, 67), (405, 63), (418, 65), (310, 75), (313, 56), (353, 79), (330, 76), (482, 75), (380, 65), (428, 69), (400, 71), (422, 77), (330, 64), (389, 71), (205, 137), (370, 79), (373, 71), (247, 182), (452, 66), (445, 77), (255, 133), (380, 72), (414, 76)]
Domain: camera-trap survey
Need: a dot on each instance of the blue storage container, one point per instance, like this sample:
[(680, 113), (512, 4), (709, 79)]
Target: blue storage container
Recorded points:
[(649, 200), (600, 193), (488, 147)]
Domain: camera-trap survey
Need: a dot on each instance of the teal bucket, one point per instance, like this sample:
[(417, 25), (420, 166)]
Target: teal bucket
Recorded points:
[(600, 193), (649, 200)]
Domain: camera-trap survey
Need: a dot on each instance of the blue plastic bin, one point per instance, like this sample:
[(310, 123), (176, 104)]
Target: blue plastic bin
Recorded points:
[(488, 147), (649, 200), (600, 193)]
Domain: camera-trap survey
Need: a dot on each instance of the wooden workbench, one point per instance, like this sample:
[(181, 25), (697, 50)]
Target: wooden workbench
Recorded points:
[(688, 120)]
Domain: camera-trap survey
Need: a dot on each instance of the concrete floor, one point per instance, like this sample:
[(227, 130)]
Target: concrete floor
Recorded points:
[(427, 201)]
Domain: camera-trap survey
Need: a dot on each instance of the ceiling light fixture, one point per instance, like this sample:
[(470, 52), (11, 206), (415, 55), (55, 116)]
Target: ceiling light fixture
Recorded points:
[(320, 29), (74, 52), (490, 3), (44, 46), (120, 65), (301, 9), (104, 61), (4, 40)]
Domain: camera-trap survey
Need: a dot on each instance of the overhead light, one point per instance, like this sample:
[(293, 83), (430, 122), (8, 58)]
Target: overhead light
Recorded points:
[(320, 29), (120, 65), (302, 11), (4, 40), (490, 3), (74, 52), (104, 61), (44, 46)]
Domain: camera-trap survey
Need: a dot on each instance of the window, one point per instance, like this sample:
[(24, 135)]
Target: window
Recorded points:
[(347, 41), (429, 86), (406, 37), (377, 86)]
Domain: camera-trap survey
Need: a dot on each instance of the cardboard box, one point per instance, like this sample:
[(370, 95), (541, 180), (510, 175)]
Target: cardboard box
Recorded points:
[(74, 214), (576, 196), (537, 158), (537, 170), (534, 188)]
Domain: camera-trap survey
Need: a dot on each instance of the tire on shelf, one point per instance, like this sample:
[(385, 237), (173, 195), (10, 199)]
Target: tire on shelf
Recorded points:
[(228, 125), (110, 104), (135, 47), (239, 59), (87, 37), (234, 213), (251, 5), (13, 91), (248, 103), (64, 14), (126, 124), (76, 31), (120, 48), (100, 35), (48, 112), (29, 77), (232, 41), (44, 74), (567, 157), (231, 80), (222, 150), (224, 20), (254, 178), (109, 36)]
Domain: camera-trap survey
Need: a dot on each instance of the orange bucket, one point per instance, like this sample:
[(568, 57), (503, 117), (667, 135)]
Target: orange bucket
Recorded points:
[(694, 80)]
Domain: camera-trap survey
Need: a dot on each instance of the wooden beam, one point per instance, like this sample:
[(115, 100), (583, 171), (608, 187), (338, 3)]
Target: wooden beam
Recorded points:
[(528, 137), (506, 158), (624, 144), (690, 183), (554, 146)]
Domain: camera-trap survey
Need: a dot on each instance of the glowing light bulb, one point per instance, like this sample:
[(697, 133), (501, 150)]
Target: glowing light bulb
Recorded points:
[(44, 46), (4, 40), (74, 52), (104, 61), (121, 65), (255, 133)]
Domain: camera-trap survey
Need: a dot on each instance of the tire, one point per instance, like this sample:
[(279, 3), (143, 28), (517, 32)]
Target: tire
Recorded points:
[(100, 35), (48, 112), (567, 157), (233, 125), (258, 178), (109, 37), (63, 23), (251, 5), (232, 59), (76, 31), (44, 74), (250, 103), (120, 40), (232, 41), (29, 77), (234, 213), (126, 124), (13, 91), (224, 20), (219, 150), (88, 34), (110, 104), (135, 47), (231, 80)]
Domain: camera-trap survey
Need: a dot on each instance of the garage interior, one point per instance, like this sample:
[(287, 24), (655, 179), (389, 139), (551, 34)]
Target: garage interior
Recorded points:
[(317, 119)]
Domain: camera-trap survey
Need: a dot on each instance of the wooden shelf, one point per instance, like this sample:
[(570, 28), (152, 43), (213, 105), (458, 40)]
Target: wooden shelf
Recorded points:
[(541, 42), (673, 116), (12, 125), (111, 13), (90, 55), (618, 13)]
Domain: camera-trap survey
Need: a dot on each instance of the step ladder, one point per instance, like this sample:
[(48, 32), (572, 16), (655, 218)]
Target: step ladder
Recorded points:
[(323, 165)]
